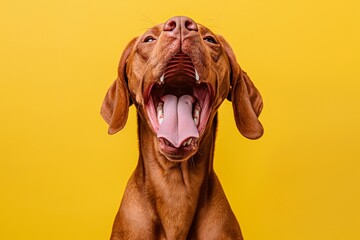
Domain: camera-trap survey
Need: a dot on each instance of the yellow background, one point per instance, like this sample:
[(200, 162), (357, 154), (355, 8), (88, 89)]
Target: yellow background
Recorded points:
[(62, 176)]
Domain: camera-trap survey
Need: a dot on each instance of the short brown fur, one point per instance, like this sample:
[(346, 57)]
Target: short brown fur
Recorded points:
[(182, 199)]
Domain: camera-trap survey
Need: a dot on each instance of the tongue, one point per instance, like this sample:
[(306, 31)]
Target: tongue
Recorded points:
[(178, 124)]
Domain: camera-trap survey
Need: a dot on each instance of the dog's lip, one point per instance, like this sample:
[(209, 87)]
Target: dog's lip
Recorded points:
[(180, 154)]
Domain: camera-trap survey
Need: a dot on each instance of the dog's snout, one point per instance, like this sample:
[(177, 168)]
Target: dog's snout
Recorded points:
[(182, 24)]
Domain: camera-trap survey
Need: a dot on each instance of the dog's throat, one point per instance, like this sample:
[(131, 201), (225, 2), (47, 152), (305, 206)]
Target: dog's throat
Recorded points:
[(178, 119)]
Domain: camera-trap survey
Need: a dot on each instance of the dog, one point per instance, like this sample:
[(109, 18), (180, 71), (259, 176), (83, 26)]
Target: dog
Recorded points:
[(177, 74)]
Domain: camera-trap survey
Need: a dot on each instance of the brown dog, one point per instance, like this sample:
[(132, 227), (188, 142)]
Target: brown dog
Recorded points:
[(177, 74)]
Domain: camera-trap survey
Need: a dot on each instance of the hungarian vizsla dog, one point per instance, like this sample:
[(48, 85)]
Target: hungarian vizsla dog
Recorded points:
[(177, 74)]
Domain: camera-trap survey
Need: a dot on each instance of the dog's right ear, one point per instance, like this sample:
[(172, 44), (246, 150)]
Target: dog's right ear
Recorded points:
[(115, 107)]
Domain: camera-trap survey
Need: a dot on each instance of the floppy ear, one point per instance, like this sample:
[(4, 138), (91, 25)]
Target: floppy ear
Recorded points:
[(115, 107), (246, 99)]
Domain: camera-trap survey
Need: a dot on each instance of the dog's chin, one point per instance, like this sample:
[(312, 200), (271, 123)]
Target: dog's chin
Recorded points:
[(180, 154)]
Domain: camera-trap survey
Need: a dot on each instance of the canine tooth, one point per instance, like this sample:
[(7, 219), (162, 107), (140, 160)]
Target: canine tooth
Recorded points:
[(160, 112), (162, 78), (187, 143), (197, 75)]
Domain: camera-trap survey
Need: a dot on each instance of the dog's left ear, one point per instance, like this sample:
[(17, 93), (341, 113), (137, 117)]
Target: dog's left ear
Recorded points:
[(115, 107), (246, 99)]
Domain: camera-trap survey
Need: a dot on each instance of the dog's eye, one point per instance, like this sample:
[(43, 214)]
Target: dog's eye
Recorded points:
[(210, 39), (149, 39)]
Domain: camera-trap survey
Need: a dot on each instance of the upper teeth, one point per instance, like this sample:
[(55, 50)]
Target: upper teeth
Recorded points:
[(162, 78), (197, 77)]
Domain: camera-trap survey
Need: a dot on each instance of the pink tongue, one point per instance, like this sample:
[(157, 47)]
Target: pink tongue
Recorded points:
[(178, 124)]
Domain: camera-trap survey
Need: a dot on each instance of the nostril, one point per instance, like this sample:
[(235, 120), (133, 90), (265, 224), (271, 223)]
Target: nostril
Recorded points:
[(184, 23), (170, 25), (191, 25)]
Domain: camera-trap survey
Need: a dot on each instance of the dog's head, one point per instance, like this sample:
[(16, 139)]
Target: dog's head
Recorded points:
[(177, 74)]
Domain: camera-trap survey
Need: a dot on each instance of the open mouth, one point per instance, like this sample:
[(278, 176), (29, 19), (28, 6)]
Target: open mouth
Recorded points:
[(178, 106)]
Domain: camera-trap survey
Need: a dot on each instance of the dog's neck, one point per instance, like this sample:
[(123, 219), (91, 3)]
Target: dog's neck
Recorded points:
[(176, 189)]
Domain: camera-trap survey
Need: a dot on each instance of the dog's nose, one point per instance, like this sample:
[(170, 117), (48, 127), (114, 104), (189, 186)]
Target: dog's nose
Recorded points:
[(182, 24)]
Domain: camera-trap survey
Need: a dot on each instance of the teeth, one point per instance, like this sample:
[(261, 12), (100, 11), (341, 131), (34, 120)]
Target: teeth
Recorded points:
[(160, 112), (196, 114), (187, 143), (162, 78), (197, 75)]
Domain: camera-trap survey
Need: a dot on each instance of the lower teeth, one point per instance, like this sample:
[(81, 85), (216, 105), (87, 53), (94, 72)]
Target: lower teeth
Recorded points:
[(160, 113), (187, 143)]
